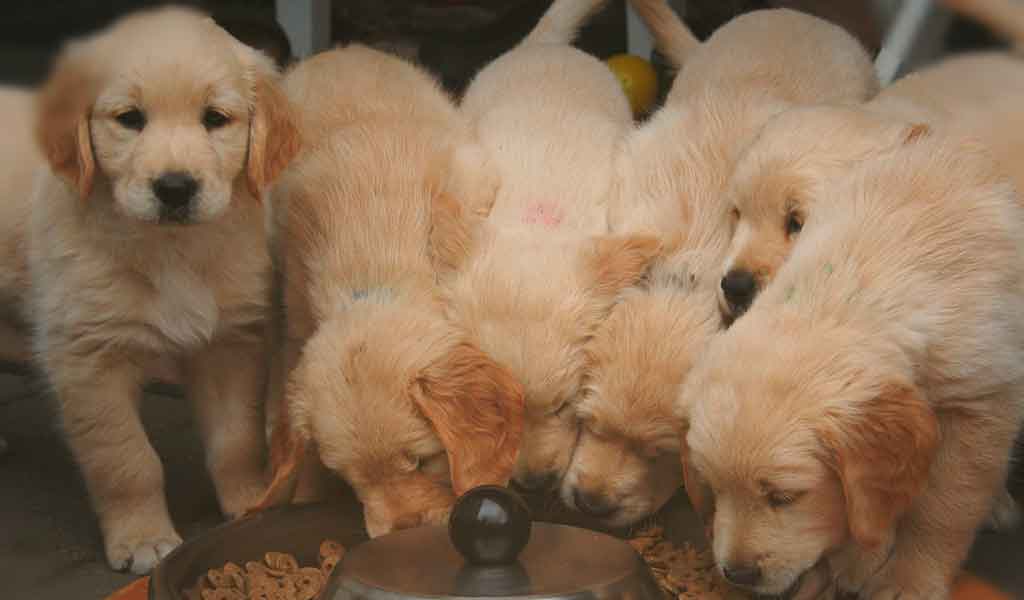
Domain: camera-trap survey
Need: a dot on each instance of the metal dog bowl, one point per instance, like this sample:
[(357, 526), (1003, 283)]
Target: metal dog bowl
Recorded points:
[(491, 549), (554, 561), (297, 530)]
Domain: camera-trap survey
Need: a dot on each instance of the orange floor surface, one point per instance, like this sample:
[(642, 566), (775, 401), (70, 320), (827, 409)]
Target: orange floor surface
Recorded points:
[(967, 587)]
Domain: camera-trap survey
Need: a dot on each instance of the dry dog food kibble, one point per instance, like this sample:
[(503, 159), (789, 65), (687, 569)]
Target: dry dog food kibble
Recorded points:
[(683, 573), (278, 577)]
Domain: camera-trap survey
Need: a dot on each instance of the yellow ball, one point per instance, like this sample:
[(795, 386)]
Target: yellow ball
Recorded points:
[(639, 81)]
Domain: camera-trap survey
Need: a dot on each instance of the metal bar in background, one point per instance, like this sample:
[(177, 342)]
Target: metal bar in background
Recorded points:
[(899, 43), (638, 40), (307, 23)]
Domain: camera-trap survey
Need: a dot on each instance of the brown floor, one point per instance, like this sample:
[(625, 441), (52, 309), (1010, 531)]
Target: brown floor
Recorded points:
[(50, 547)]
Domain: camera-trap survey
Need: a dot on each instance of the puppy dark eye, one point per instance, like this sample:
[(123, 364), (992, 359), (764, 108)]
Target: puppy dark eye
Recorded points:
[(794, 223), (131, 119), (780, 499), (214, 119)]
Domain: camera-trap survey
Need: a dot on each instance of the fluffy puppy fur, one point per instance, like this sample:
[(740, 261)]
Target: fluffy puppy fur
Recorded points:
[(860, 416), (147, 249), (377, 385), (20, 160), (534, 279), (673, 172), (777, 184)]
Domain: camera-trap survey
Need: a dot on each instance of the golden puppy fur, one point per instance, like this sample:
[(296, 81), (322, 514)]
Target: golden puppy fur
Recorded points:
[(533, 280), (784, 176), (777, 184), (673, 173), (20, 161), (860, 416), (128, 278), (378, 386)]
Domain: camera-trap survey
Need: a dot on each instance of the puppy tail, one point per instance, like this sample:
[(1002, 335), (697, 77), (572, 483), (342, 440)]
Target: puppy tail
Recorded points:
[(671, 36), (563, 20), (1004, 17)]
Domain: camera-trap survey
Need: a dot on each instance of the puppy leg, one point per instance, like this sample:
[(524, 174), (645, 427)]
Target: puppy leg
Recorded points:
[(98, 396), (933, 539), (1005, 514), (14, 344), (227, 384), (313, 476)]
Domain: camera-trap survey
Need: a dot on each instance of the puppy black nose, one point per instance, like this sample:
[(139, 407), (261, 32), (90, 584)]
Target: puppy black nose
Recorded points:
[(742, 574), (175, 190), (534, 482), (739, 287), (593, 505)]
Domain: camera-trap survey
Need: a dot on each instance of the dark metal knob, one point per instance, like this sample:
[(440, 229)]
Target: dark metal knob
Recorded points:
[(490, 525)]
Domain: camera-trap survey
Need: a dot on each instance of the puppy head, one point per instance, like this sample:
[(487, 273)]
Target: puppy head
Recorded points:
[(167, 111), (807, 440), (532, 304), (402, 409), (625, 465), (779, 182)]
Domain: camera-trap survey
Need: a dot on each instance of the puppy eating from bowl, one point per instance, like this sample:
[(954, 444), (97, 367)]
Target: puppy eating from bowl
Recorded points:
[(147, 254), (371, 382), (672, 173), (537, 275), (858, 420)]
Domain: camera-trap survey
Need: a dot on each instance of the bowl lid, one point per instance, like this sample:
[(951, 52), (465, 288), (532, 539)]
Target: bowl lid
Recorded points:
[(478, 557)]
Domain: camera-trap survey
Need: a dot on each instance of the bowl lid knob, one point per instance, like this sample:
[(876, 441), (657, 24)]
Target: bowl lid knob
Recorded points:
[(490, 525)]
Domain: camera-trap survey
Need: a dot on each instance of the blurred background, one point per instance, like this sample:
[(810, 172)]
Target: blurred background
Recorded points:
[(453, 38)]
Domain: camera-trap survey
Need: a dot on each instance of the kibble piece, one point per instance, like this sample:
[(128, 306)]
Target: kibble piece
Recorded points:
[(279, 563), (278, 577)]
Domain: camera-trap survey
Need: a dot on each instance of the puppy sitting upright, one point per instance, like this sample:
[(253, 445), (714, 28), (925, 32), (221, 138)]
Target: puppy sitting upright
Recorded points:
[(859, 418), (148, 253), (673, 171), (377, 385)]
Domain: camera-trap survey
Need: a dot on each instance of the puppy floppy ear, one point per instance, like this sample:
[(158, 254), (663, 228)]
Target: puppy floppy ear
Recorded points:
[(451, 233), (465, 188), (616, 262), (274, 138), (290, 450), (882, 451), (476, 407), (63, 108), (698, 491)]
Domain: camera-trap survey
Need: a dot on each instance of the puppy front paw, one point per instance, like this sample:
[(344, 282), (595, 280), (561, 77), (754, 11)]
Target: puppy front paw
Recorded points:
[(140, 554), (240, 494)]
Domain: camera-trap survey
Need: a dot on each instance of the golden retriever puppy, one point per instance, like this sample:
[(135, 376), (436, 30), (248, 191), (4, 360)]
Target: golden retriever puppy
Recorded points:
[(20, 160), (377, 385), (533, 280), (777, 183), (673, 172), (860, 416), (147, 248)]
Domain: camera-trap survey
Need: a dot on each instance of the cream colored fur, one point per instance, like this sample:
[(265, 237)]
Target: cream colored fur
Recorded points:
[(858, 419), (779, 177), (673, 172), (376, 385), (539, 274), (20, 162), (118, 296)]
